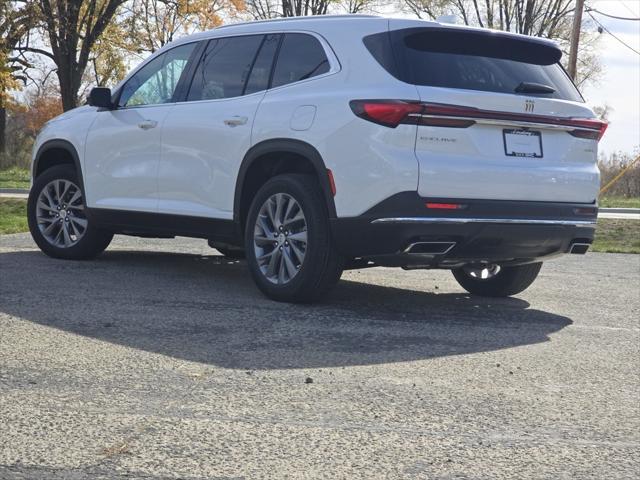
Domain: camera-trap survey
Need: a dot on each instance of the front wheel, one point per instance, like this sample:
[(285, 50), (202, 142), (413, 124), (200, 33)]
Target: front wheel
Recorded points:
[(496, 281), (288, 243), (57, 217)]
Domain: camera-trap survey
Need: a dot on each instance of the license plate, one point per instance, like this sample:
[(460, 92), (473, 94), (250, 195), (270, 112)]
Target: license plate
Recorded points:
[(522, 143)]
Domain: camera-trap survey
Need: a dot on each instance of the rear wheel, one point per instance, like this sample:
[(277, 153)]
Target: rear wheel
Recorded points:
[(57, 217), (288, 243), (496, 281)]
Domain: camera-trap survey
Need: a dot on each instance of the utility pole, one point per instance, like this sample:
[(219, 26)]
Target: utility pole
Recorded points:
[(575, 38)]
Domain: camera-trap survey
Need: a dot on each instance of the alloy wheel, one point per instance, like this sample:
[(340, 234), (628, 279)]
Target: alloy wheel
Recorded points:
[(60, 213), (280, 238)]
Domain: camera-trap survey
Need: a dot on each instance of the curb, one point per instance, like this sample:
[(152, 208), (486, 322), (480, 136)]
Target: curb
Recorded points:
[(15, 190)]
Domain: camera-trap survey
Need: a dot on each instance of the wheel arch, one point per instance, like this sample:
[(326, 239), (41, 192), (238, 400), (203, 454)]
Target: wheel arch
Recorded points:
[(272, 157), (57, 152)]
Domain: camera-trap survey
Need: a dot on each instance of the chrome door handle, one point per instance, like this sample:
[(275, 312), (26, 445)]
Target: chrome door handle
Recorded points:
[(147, 124), (235, 121)]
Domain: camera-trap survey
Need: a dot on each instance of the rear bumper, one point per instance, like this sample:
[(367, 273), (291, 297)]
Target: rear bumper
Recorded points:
[(402, 231)]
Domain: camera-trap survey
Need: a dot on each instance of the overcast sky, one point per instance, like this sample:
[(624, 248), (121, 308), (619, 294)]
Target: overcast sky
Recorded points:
[(620, 84)]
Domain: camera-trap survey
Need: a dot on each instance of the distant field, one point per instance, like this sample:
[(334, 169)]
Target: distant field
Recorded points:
[(13, 215), (15, 178), (617, 236), (620, 202)]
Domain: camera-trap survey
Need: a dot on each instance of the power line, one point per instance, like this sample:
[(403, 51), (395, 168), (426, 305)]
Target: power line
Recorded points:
[(609, 32), (589, 9)]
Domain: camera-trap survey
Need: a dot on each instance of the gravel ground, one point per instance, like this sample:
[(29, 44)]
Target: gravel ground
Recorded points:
[(161, 360)]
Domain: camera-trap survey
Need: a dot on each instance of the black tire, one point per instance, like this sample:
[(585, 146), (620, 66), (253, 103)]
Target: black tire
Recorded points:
[(508, 281), (92, 242), (233, 253), (321, 267)]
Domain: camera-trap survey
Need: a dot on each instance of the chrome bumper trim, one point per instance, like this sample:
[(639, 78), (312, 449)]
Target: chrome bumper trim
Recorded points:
[(519, 221)]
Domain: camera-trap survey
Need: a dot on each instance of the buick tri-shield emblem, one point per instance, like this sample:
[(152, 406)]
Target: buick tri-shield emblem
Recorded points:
[(529, 105)]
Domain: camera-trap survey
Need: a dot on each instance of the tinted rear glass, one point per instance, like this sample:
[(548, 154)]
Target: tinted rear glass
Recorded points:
[(471, 60), (301, 56)]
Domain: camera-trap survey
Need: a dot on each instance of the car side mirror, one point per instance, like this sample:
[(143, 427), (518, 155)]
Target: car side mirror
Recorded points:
[(100, 97)]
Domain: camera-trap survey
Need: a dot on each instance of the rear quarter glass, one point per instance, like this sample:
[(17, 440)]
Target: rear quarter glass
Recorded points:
[(471, 60)]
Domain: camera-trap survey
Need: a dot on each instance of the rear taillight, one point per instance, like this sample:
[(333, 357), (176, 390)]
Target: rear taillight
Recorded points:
[(389, 113), (591, 129), (392, 113)]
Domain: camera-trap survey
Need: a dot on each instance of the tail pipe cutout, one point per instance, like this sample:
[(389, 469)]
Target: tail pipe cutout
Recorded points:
[(579, 248), (429, 248)]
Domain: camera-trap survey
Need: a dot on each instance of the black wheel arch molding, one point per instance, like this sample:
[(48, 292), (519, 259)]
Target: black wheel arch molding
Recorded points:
[(284, 146), (59, 144)]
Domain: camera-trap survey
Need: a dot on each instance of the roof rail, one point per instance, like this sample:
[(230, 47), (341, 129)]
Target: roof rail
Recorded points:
[(301, 18)]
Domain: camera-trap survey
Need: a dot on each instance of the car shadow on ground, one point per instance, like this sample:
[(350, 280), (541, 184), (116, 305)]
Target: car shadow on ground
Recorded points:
[(206, 309)]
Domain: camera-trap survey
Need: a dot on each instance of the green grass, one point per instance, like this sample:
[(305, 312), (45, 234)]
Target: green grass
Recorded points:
[(13, 215), (620, 202), (15, 177), (617, 236)]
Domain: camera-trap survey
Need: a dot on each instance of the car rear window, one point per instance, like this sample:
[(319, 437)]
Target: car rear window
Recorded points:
[(472, 60), (301, 56)]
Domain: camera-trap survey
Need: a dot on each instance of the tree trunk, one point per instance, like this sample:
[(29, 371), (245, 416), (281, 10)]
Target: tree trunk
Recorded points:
[(3, 128)]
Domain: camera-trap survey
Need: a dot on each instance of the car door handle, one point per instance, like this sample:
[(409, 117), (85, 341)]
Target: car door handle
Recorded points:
[(147, 124), (235, 121)]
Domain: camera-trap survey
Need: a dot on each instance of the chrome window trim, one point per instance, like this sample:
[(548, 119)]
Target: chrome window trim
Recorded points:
[(454, 220)]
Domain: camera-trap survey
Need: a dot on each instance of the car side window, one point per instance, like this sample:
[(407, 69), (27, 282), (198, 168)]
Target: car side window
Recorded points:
[(261, 71), (301, 56), (224, 68), (156, 82)]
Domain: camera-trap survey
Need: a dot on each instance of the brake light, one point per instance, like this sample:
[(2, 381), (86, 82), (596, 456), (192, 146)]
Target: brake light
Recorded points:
[(389, 113)]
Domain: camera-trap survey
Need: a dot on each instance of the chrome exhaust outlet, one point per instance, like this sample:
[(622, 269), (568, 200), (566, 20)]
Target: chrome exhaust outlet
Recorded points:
[(429, 248), (579, 248)]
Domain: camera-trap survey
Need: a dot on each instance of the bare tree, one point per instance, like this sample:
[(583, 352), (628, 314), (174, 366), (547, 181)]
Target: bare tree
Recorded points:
[(151, 24), (16, 19), (266, 9), (71, 28)]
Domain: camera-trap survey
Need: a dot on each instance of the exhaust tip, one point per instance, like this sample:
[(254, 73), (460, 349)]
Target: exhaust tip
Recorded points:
[(579, 248), (429, 248)]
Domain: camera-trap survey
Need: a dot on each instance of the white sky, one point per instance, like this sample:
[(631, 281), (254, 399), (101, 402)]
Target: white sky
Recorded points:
[(620, 84)]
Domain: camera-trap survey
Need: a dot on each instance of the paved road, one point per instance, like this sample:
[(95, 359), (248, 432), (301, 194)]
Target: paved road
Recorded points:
[(160, 360)]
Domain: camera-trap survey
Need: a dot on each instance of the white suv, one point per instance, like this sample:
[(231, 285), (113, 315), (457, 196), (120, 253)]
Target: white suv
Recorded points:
[(311, 145)]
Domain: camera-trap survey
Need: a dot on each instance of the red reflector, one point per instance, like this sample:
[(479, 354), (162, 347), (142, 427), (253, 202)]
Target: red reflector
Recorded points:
[(585, 211), (332, 182), (446, 206), (389, 113)]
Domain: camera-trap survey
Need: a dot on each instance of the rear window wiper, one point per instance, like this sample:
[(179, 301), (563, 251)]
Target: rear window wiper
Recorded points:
[(530, 87)]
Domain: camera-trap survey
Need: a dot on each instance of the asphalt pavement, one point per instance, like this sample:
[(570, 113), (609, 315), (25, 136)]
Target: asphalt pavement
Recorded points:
[(161, 360)]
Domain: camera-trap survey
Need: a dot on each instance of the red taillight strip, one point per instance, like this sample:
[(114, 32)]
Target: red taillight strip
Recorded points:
[(526, 120), (392, 113)]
